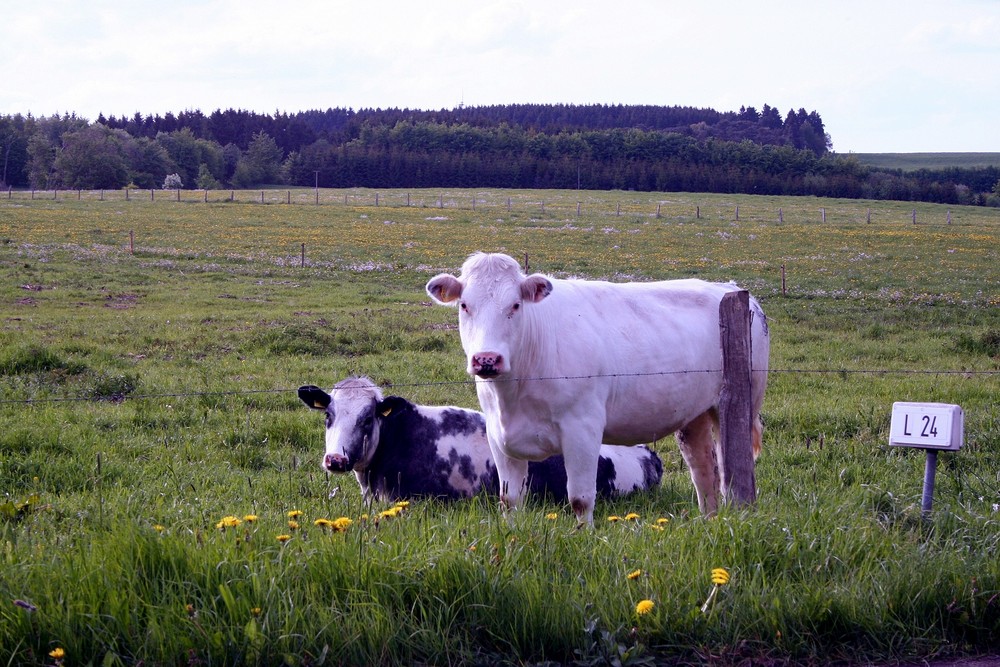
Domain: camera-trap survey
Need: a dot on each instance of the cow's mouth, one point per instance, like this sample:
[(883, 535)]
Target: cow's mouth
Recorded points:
[(487, 373), (336, 463)]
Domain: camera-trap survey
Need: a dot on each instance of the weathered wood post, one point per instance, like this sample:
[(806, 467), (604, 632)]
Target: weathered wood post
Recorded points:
[(738, 481)]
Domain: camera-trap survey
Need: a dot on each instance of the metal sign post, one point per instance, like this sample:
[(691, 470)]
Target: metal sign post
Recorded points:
[(929, 426)]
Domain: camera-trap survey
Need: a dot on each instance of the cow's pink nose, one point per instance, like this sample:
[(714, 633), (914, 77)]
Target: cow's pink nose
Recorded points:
[(487, 364), (335, 462)]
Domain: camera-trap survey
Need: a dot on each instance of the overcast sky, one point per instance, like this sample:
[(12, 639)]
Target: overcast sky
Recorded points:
[(906, 76)]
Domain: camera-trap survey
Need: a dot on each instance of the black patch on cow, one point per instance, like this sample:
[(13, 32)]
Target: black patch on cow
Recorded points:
[(652, 469), (548, 477), (407, 462)]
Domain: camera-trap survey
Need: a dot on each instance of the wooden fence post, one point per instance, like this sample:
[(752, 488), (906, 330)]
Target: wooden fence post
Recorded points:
[(738, 481)]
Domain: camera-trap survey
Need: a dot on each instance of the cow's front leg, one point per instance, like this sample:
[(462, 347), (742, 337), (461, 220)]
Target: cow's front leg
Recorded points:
[(513, 474), (581, 459)]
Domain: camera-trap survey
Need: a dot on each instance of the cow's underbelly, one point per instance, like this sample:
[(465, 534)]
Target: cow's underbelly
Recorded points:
[(659, 409)]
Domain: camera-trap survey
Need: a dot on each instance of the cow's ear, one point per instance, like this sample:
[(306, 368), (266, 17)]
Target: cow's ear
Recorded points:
[(444, 288), (390, 406), (314, 397), (535, 287)]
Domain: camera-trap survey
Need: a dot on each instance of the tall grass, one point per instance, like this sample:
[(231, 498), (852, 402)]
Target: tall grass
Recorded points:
[(146, 396)]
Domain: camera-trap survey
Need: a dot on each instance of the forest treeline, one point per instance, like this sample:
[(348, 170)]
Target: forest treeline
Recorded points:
[(601, 147)]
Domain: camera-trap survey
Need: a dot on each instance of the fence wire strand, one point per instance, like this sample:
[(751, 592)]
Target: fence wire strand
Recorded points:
[(443, 383)]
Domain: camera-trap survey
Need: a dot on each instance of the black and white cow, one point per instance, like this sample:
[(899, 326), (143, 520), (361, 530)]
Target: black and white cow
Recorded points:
[(398, 449)]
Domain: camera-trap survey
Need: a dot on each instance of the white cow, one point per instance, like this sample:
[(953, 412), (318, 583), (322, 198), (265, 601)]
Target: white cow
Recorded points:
[(564, 365)]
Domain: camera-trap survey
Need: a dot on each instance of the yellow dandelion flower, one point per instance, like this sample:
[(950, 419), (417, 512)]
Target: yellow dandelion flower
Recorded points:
[(341, 524), (283, 538), (228, 522), (255, 611), (403, 503), (613, 518), (631, 516), (322, 523), (158, 528), (552, 516), (634, 574), (655, 526), (644, 607), (57, 653), (662, 522), (294, 514), (250, 518), (720, 577), (294, 525)]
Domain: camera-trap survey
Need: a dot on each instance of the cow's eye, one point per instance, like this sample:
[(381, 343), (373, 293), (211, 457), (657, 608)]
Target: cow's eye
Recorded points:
[(516, 307)]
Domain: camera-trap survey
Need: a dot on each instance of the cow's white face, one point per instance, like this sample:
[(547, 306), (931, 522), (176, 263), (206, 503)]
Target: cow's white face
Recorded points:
[(490, 295), (352, 424)]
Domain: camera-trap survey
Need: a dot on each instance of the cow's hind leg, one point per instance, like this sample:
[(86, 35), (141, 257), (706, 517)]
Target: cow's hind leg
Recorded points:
[(697, 443), (757, 436)]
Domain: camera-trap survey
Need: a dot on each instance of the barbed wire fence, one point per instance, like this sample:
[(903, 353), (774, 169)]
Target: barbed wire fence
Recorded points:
[(969, 374)]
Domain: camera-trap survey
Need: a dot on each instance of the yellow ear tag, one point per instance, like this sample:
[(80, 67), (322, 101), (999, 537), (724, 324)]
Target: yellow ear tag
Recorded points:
[(318, 405), (387, 412)]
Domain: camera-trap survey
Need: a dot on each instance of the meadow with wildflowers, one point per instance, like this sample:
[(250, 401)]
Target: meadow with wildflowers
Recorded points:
[(161, 499)]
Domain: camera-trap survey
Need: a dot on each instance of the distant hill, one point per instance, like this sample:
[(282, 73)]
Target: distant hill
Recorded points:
[(915, 161)]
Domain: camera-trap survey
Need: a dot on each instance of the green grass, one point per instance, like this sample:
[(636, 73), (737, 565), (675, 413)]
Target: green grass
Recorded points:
[(145, 396), (914, 161)]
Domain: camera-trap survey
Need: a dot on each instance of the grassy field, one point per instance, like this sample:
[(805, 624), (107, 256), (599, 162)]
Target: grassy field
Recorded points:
[(914, 161), (149, 353)]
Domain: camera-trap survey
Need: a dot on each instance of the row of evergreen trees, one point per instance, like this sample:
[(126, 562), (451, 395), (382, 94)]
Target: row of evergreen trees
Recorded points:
[(521, 146)]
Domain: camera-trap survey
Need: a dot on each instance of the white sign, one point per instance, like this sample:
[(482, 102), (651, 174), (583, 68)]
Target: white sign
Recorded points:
[(927, 426)]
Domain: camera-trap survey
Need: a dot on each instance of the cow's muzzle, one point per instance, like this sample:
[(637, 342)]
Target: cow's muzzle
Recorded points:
[(487, 364), (336, 463)]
